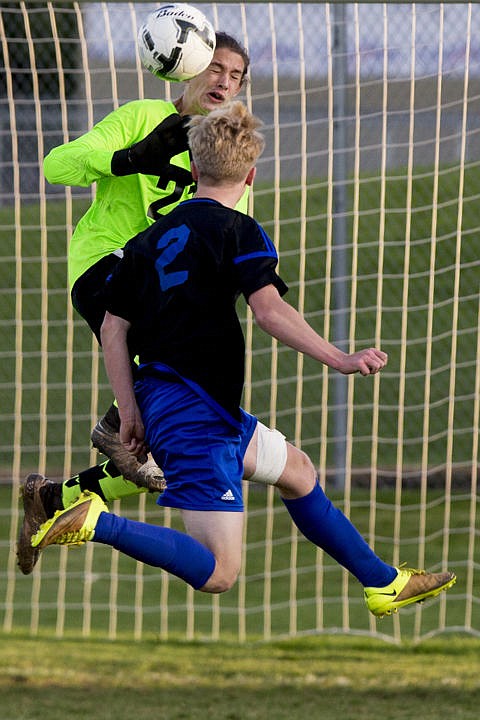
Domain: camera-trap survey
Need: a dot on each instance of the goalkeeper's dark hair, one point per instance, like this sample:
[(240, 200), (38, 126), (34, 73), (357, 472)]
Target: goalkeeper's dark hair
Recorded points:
[(224, 40)]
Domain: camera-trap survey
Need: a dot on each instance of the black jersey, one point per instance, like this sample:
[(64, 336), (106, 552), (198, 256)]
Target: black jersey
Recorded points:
[(177, 285)]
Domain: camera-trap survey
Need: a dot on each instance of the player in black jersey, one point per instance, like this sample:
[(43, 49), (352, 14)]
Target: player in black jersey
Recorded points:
[(184, 275)]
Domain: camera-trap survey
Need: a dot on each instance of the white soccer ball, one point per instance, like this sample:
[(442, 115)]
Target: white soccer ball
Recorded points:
[(176, 42)]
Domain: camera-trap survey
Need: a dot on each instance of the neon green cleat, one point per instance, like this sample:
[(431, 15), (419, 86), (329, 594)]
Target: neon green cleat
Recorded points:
[(410, 586), (72, 526)]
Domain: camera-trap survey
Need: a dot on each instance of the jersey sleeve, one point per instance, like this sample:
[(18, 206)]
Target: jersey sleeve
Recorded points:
[(88, 158), (256, 259)]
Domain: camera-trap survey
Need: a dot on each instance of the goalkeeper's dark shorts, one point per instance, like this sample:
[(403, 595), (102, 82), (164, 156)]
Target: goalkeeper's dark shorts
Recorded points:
[(88, 292)]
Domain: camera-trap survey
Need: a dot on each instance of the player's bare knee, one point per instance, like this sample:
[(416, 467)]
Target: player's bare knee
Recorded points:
[(223, 584), (299, 475), (278, 462), (221, 580)]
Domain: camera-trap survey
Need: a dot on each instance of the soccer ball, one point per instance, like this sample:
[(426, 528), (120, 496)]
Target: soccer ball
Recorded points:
[(176, 42)]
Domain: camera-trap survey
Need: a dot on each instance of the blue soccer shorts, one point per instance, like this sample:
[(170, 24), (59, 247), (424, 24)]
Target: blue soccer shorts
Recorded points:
[(200, 453)]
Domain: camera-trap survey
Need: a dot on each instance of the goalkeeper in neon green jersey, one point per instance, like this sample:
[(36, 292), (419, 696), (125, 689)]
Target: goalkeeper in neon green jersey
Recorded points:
[(138, 157)]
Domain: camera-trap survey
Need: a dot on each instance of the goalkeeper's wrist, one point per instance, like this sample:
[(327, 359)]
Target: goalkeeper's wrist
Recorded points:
[(121, 163)]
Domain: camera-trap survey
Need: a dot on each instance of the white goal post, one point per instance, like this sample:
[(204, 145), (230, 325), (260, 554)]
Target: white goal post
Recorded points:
[(369, 188)]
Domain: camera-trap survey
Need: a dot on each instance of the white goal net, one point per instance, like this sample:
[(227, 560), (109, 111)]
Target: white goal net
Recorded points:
[(369, 187)]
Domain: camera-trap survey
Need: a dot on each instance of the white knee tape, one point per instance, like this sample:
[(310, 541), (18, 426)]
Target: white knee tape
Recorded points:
[(271, 455)]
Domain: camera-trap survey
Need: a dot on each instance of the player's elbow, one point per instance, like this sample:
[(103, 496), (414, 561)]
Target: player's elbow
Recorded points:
[(50, 168), (267, 319), (60, 167), (262, 313), (266, 305), (112, 327)]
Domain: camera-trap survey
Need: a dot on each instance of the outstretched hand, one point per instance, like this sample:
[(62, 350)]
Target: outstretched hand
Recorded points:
[(366, 362)]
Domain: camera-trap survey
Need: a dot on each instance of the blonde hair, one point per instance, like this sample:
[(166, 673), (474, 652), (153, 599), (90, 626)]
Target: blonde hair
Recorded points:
[(226, 143)]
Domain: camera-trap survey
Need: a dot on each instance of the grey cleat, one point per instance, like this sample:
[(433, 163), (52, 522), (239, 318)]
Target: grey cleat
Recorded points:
[(41, 497), (106, 439)]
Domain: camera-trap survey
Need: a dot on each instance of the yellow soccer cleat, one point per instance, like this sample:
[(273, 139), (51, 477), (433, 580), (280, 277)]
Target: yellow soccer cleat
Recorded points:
[(410, 586), (72, 526)]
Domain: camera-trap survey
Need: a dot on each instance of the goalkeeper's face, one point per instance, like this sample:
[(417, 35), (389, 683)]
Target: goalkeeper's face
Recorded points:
[(216, 85)]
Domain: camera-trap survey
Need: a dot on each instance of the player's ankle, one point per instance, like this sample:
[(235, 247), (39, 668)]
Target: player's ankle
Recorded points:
[(51, 497)]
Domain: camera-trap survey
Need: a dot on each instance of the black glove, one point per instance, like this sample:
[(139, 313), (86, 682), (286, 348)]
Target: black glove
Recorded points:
[(152, 154)]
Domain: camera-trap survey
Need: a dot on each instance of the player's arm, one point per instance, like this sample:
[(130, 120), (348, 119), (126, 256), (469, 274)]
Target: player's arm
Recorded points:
[(118, 145), (114, 333), (85, 160), (280, 320)]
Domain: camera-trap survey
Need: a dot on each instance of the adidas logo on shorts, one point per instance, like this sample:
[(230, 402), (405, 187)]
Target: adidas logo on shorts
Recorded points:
[(228, 496)]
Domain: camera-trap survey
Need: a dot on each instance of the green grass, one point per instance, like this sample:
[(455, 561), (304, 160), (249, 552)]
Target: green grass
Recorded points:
[(327, 678)]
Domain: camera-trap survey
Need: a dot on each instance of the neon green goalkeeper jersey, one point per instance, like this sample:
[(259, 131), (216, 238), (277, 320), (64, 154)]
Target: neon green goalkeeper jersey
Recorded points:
[(123, 206)]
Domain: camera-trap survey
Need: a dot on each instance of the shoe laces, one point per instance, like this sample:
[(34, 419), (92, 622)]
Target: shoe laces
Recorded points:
[(76, 537), (410, 571)]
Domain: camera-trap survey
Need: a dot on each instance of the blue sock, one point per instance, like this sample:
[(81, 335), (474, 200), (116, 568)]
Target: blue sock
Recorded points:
[(161, 547), (326, 526)]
